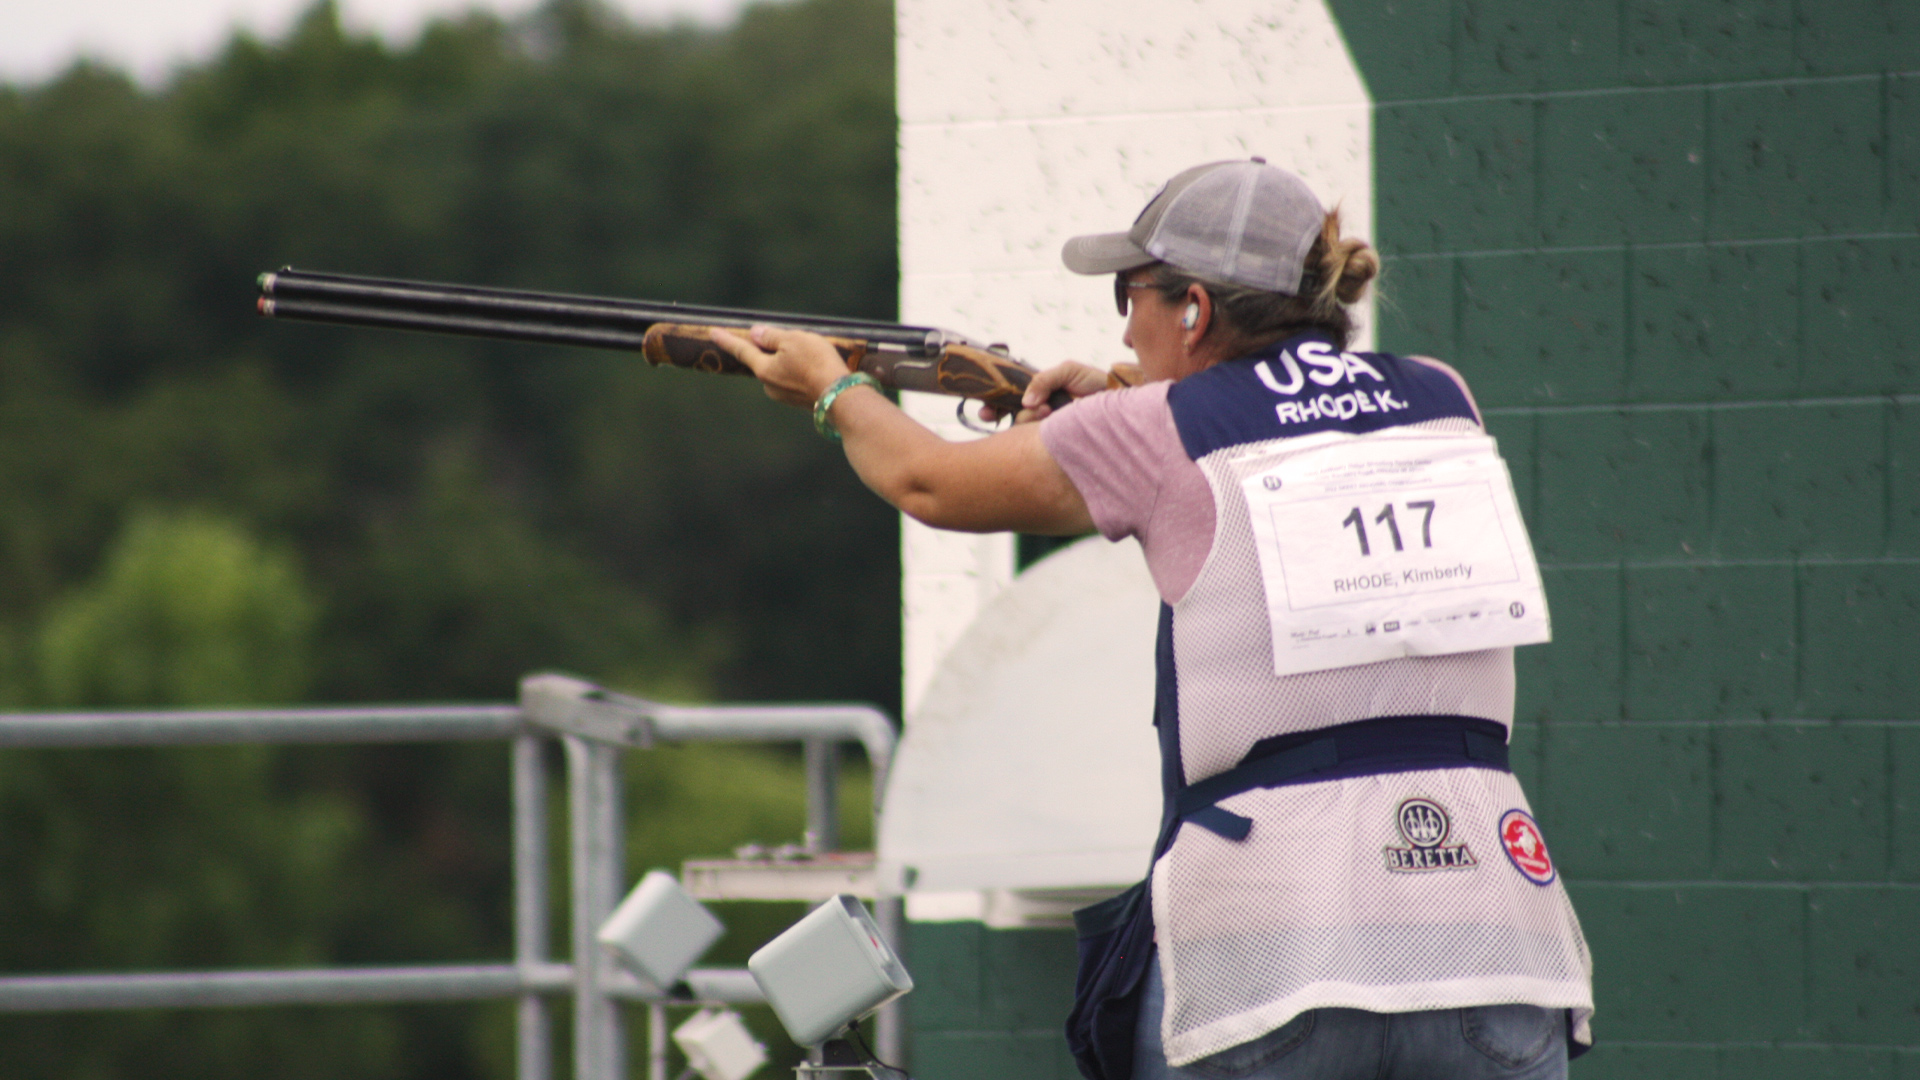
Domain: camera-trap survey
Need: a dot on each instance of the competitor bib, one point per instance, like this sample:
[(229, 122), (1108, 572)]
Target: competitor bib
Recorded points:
[(1389, 545)]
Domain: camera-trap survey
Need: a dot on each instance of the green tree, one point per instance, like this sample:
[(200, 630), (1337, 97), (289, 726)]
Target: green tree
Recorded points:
[(155, 857), (189, 609)]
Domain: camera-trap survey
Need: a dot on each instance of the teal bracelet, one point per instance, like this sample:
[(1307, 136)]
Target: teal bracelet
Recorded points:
[(844, 383)]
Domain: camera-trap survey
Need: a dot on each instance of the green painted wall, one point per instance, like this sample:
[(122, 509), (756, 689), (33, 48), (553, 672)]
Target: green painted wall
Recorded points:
[(1675, 247), (989, 1004)]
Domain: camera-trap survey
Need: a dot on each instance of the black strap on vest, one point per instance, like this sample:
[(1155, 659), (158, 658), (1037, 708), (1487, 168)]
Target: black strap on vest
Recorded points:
[(1361, 748)]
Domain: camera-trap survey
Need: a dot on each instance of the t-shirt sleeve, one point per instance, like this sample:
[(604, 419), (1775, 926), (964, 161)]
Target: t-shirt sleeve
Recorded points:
[(1114, 446)]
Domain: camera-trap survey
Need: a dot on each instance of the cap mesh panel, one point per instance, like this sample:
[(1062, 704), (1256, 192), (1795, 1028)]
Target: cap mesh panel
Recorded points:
[(1248, 225)]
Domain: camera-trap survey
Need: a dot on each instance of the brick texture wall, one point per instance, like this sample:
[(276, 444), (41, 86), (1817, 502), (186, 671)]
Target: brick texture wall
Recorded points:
[(989, 1004), (1675, 247)]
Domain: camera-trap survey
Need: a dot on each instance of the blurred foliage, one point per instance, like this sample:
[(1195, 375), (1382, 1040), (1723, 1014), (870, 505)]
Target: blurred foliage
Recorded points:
[(479, 486), (188, 608), (206, 508)]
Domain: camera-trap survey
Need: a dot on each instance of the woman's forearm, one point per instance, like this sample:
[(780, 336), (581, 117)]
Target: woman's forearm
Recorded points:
[(1006, 481), (1003, 482)]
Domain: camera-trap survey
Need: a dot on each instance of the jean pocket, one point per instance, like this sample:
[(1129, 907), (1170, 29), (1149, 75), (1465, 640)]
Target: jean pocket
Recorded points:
[(1235, 1062), (1510, 1035)]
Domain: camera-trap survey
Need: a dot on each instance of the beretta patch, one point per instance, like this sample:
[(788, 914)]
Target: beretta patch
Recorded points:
[(1425, 827), (1526, 849)]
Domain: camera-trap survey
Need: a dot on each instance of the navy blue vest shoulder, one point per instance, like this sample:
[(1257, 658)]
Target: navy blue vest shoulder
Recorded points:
[(1303, 386)]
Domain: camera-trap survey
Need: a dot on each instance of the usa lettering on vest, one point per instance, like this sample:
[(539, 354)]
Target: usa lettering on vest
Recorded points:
[(1326, 368)]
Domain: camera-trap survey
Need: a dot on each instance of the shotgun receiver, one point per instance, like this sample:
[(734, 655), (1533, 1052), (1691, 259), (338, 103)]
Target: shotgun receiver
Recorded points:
[(901, 357)]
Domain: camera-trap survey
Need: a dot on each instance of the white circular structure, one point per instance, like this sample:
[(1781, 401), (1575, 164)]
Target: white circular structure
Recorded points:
[(1028, 778)]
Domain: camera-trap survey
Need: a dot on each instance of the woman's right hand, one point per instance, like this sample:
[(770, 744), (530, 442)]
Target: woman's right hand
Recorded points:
[(1077, 379)]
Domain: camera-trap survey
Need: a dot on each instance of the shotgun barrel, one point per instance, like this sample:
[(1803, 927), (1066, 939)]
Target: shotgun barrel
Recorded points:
[(904, 357), (346, 291)]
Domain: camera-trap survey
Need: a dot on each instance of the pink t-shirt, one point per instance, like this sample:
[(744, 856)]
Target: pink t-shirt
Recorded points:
[(1123, 453)]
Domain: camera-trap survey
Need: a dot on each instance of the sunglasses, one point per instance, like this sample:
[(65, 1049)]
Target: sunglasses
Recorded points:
[(1120, 287)]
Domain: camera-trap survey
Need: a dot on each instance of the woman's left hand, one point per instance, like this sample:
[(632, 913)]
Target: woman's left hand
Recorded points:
[(1077, 379), (795, 366)]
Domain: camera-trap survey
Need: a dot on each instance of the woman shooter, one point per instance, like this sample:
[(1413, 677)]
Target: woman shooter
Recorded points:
[(1348, 881)]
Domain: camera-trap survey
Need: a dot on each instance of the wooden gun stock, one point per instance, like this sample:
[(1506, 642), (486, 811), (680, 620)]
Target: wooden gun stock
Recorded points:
[(690, 346), (959, 370)]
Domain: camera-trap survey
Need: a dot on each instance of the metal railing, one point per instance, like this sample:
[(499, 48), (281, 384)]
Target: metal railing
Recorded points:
[(595, 727)]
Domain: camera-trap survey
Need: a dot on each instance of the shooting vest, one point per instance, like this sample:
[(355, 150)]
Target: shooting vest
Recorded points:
[(1345, 835)]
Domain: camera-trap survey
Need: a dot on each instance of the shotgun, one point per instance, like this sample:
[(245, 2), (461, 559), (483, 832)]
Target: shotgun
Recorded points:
[(901, 357)]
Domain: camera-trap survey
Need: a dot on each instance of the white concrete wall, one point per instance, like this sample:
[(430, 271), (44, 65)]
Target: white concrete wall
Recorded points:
[(1025, 122)]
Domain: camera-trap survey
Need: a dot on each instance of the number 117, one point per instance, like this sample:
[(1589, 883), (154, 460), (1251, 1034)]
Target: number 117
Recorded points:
[(1359, 523)]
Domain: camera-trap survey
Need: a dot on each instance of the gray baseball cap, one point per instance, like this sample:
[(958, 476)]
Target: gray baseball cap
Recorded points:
[(1244, 222)]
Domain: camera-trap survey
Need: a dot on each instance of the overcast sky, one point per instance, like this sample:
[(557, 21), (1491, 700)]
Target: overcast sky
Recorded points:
[(38, 38)]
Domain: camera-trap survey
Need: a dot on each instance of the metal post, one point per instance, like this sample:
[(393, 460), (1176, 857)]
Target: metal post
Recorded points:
[(823, 794), (890, 1026), (656, 1041), (597, 858), (535, 1049), (611, 826)]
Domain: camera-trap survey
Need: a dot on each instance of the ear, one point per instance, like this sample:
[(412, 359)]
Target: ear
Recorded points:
[(1197, 318)]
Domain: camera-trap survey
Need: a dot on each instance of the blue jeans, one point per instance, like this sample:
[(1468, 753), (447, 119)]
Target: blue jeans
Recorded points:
[(1487, 1042)]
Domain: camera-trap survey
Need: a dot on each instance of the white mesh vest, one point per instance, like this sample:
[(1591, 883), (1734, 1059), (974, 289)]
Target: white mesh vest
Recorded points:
[(1390, 892)]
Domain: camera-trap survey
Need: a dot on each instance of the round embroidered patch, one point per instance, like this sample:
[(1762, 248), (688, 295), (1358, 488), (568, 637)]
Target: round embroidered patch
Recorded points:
[(1526, 849)]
